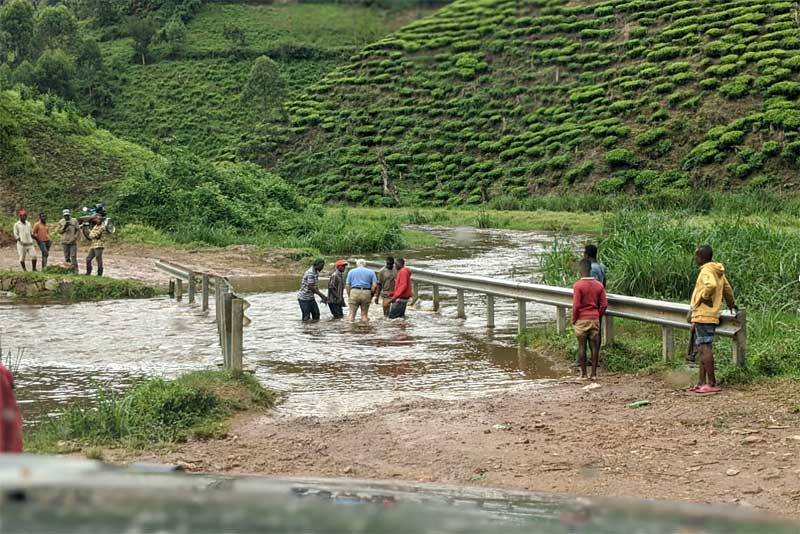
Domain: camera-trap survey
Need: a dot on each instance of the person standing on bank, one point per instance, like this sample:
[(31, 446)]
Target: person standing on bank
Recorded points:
[(710, 289), (403, 291), (589, 305), (336, 290), (598, 269), (23, 234), (386, 280), (361, 285), (96, 248), (41, 233), (309, 289), (70, 231)]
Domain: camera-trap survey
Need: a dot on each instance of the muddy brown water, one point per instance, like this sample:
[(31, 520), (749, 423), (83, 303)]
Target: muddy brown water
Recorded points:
[(324, 368)]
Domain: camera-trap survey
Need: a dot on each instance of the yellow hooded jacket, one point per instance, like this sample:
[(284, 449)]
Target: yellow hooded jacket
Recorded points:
[(711, 285)]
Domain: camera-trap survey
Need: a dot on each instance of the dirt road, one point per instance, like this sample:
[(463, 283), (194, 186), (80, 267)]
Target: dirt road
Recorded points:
[(741, 446), (122, 260)]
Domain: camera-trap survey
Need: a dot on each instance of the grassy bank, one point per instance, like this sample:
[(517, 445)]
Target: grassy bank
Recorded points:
[(651, 255), (57, 283), (155, 412), (545, 220)]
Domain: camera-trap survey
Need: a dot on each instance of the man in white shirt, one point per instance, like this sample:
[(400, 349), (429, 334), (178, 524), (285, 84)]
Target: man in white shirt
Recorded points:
[(23, 233)]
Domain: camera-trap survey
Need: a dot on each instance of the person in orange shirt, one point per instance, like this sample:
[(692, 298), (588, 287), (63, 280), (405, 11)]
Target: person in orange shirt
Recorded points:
[(41, 233)]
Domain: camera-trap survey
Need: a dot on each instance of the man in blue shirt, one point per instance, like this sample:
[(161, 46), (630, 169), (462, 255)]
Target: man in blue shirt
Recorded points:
[(598, 269), (361, 285)]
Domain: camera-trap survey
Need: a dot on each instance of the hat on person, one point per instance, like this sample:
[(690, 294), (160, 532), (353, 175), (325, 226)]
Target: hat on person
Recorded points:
[(339, 263), (22, 212), (66, 212)]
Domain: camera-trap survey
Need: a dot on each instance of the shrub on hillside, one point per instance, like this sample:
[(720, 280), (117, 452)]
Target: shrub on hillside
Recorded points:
[(621, 157), (185, 192)]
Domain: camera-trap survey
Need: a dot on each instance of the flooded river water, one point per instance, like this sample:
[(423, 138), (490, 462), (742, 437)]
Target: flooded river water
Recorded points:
[(324, 368)]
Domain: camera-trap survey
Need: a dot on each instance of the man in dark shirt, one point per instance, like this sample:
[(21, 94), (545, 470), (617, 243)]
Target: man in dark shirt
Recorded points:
[(336, 290), (309, 287)]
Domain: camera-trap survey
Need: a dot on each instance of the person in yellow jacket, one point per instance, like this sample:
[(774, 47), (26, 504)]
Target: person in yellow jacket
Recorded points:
[(710, 289)]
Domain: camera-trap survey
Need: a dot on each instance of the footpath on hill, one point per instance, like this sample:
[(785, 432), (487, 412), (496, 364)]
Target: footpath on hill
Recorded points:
[(741, 447)]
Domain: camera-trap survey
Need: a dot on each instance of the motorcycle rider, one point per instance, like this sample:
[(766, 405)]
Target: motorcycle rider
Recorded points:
[(70, 231)]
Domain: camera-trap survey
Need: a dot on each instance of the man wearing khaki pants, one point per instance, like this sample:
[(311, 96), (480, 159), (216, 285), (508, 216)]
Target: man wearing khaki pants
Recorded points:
[(361, 286)]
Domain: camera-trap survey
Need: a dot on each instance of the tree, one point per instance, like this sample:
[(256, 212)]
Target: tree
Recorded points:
[(142, 30), (16, 23), (56, 27), (174, 33), (235, 36), (107, 12), (54, 72), (265, 87), (91, 77)]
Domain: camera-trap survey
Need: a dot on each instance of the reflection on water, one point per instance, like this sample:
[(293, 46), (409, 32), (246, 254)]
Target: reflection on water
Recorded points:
[(327, 367)]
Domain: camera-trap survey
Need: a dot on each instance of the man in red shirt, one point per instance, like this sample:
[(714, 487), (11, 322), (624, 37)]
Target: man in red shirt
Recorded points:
[(403, 290), (589, 305)]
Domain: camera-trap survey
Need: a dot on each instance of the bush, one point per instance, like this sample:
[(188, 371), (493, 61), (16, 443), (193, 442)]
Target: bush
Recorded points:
[(621, 157), (650, 136)]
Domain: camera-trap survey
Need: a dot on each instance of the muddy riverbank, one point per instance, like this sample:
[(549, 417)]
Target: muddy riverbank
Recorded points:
[(741, 447)]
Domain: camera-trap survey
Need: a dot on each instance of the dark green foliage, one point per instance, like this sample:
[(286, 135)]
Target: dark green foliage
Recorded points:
[(54, 73), (55, 27), (16, 29)]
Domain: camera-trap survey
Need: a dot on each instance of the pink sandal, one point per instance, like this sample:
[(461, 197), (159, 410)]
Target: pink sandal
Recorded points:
[(705, 389)]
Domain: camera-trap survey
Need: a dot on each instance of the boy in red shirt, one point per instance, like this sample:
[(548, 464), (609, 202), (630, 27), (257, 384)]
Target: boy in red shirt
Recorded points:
[(589, 305)]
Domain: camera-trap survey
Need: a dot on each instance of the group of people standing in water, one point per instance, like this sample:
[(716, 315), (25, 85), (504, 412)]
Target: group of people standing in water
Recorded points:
[(390, 286)]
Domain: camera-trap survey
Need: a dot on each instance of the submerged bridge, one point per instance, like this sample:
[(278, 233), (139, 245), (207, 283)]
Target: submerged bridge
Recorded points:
[(670, 316)]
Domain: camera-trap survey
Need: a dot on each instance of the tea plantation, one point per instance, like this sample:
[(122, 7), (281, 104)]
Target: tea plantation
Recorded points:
[(189, 94), (512, 97)]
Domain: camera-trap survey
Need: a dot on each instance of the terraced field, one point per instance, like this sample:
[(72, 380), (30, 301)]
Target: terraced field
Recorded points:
[(190, 96), (512, 97)]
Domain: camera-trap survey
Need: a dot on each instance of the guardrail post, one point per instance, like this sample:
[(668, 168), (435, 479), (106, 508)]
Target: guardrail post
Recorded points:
[(218, 308), (227, 300), (435, 298), (561, 319), (192, 286), (178, 289), (522, 316), (490, 311), (740, 340), (414, 293), (237, 322), (171, 290), (608, 330), (204, 297), (460, 304), (667, 343)]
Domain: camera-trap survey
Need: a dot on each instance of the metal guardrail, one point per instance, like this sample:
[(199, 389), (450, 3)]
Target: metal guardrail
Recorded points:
[(230, 307), (669, 315)]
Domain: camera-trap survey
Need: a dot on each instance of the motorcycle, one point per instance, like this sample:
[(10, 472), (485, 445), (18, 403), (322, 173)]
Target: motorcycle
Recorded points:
[(92, 215)]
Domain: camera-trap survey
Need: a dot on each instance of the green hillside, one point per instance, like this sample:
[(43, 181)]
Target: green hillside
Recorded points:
[(189, 94), (514, 97), (51, 159)]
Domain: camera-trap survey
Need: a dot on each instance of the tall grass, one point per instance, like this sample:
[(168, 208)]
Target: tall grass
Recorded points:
[(752, 202), (651, 255)]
